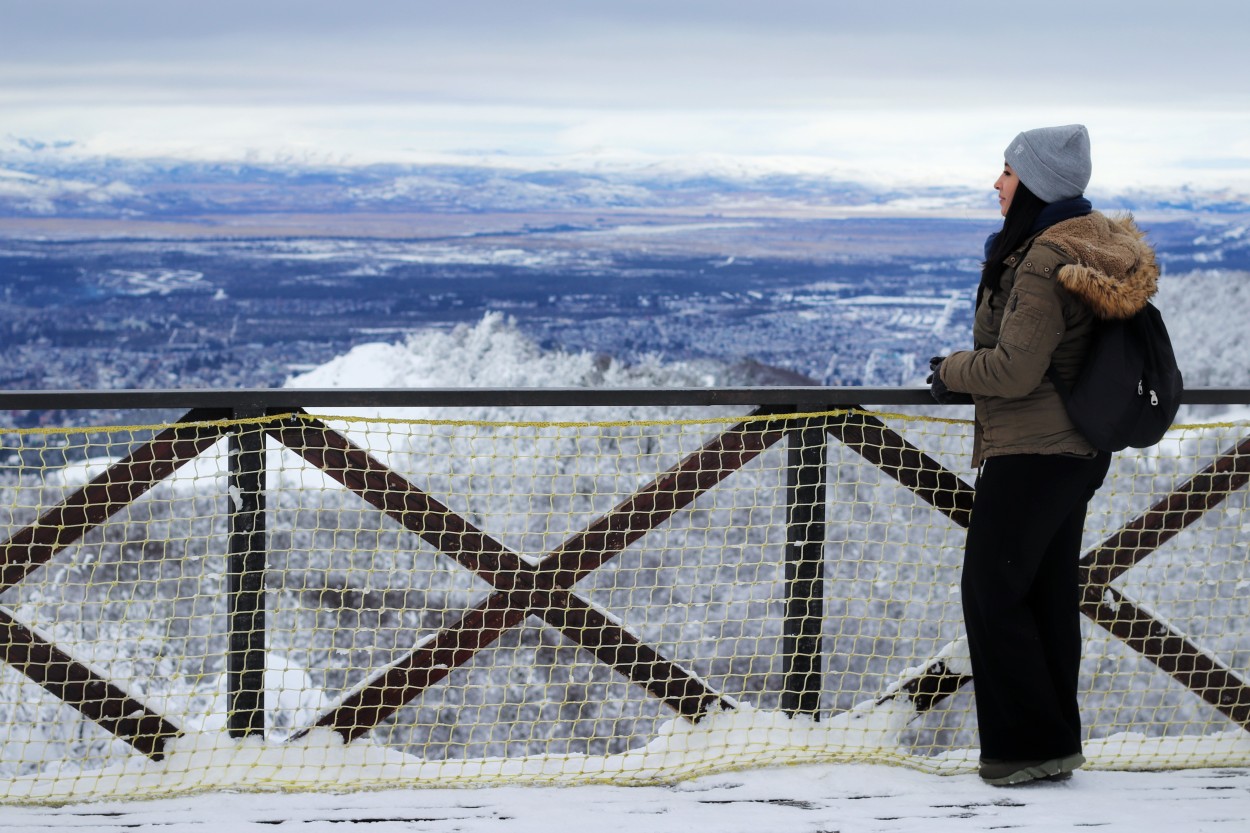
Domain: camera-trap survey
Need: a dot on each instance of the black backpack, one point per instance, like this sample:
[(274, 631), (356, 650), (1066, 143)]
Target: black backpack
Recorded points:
[(1129, 389)]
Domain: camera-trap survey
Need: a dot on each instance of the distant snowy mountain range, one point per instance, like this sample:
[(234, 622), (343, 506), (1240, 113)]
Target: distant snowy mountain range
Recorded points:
[(42, 180)]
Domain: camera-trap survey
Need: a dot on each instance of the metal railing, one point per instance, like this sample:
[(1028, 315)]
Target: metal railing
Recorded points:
[(278, 398), (521, 589)]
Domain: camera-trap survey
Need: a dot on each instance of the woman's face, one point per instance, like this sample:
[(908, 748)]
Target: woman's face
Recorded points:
[(1006, 187)]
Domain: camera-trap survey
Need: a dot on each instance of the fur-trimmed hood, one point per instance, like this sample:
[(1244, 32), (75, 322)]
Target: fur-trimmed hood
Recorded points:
[(1114, 272)]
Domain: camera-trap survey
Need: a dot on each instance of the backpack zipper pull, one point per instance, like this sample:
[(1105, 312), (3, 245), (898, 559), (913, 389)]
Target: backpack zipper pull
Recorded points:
[(1140, 391), (1154, 398)]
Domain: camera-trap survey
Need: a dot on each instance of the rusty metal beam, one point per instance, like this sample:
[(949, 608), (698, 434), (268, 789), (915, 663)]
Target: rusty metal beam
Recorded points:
[(887, 450), (36, 544), (1171, 651), (1167, 517), (1157, 641), (941, 488), (523, 588), (1125, 619), (112, 490), (660, 499), (78, 686), (412, 508), (388, 690), (930, 686)]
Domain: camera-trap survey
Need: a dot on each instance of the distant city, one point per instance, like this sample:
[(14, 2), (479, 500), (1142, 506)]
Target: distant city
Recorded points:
[(130, 275)]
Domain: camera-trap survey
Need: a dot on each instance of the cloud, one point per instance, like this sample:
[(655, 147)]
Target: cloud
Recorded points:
[(693, 54), (894, 85)]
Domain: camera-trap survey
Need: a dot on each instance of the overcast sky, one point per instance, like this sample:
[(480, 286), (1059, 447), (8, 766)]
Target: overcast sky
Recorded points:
[(914, 89)]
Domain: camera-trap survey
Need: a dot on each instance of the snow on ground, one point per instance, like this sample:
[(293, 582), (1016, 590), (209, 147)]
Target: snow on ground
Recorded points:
[(205, 758), (845, 798), (311, 787)]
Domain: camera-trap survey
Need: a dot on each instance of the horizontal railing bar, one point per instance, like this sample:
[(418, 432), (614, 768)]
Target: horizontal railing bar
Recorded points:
[(279, 398), (291, 398)]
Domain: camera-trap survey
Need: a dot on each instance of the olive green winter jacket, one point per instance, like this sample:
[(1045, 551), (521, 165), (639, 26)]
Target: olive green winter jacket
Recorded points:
[(1044, 311)]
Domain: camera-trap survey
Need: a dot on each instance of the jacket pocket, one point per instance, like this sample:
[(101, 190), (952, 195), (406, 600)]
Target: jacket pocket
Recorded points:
[(1022, 325)]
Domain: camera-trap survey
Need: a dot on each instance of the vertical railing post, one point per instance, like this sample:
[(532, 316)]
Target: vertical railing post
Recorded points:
[(804, 569), (245, 583)]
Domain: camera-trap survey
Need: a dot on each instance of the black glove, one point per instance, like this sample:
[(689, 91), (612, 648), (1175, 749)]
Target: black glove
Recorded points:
[(938, 389)]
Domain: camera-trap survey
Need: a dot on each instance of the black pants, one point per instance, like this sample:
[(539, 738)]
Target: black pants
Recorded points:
[(1021, 586)]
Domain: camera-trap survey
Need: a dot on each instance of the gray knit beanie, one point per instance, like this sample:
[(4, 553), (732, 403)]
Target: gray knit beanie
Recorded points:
[(1053, 162)]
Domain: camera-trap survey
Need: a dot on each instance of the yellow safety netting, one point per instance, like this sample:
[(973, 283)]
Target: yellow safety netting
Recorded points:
[(474, 602)]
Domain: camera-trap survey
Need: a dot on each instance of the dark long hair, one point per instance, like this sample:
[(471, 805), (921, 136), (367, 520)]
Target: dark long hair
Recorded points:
[(1018, 226)]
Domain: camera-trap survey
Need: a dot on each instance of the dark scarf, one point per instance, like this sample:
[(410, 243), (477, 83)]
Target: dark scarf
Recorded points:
[(1055, 212)]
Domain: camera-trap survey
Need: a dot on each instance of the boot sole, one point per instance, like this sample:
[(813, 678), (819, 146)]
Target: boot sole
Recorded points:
[(1055, 769)]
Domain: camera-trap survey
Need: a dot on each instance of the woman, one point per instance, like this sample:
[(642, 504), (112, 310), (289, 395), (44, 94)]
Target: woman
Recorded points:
[(1053, 270)]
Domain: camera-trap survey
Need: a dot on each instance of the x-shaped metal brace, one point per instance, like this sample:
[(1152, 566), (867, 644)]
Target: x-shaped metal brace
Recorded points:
[(522, 588)]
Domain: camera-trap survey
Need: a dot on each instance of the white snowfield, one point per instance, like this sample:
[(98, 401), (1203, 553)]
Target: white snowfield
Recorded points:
[(639, 789), (850, 798)]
